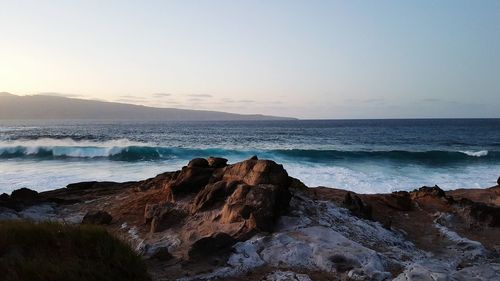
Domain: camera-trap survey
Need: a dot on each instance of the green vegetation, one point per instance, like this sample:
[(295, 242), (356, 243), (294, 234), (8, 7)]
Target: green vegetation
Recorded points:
[(57, 252)]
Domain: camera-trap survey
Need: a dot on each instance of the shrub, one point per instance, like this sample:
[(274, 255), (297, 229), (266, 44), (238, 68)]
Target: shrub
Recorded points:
[(53, 251)]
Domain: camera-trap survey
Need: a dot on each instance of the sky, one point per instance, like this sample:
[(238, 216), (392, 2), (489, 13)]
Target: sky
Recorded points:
[(306, 59)]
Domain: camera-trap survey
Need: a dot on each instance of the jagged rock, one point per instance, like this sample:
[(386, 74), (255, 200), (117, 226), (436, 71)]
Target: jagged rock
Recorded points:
[(254, 158), (210, 245), (217, 162), (260, 205), (97, 217), (356, 205), (400, 200), (164, 216), (189, 180), (498, 181), (211, 194), (424, 191), (253, 172), (476, 214), (198, 162), (150, 211)]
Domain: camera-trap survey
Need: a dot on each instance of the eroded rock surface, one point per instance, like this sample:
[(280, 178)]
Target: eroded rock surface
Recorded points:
[(251, 221)]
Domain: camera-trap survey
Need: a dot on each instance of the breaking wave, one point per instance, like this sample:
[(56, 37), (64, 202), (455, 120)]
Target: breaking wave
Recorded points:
[(126, 150)]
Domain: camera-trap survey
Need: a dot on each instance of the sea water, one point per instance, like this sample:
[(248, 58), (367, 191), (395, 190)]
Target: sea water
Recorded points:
[(368, 156)]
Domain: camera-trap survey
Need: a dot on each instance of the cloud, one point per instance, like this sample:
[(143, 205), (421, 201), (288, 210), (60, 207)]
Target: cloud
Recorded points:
[(201, 95), (195, 99), (246, 101), (162, 95)]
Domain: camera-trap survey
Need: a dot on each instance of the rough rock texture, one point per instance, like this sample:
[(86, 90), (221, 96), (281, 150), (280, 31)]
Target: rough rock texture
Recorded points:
[(210, 245), (251, 221), (217, 162), (286, 276)]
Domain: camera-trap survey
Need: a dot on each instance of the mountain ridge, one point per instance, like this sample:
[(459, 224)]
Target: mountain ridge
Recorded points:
[(56, 107)]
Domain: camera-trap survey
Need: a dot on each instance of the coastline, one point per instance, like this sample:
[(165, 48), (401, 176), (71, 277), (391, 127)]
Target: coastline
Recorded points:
[(256, 205)]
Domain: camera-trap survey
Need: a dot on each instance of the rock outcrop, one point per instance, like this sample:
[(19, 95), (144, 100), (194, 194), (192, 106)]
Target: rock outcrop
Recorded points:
[(250, 221), (97, 217), (211, 202)]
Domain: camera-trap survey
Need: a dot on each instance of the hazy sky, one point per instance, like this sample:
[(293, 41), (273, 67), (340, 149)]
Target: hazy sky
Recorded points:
[(312, 59)]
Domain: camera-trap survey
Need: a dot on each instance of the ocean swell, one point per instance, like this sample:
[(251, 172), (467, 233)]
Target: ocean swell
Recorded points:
[(126, 150)]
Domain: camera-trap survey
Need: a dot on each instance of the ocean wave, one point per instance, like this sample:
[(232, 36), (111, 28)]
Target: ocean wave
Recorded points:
[(126, 150), (480, 153)]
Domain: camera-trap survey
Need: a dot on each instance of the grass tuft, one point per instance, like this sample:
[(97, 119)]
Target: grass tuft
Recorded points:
[(60, 252)]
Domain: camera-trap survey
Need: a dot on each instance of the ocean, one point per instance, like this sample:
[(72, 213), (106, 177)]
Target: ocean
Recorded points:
[(367, 156)]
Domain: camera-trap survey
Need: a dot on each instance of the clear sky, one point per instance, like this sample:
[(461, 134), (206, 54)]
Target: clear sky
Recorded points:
[(309, 59)]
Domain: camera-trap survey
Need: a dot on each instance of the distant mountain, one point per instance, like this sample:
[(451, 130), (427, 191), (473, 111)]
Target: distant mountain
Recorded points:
[(56, 107)]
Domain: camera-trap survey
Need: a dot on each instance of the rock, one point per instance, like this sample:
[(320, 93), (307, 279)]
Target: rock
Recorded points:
[(286, 276), (342, 263), (4, 197), (24, 195), (253, 158), (207, 246), (8, 214), (498, 181), (165, 216), (477, 214), (92, 185), (189, 180), (310, 248), (399, 200), (254, 172), (424, 191), (150, 211), (217, 162), (198, 162), (212, 194), (259, 205), (359, 208), (97, 217), (161, 254)]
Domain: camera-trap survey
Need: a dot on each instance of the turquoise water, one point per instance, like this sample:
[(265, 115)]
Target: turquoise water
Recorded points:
[(361, 155)]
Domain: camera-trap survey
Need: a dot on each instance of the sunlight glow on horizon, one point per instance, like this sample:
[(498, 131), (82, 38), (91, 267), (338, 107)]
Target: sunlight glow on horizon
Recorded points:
[(306, 59)]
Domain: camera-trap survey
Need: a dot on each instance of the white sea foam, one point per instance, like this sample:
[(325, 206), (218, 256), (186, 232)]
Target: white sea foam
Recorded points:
[(476, 153), (68, 147)]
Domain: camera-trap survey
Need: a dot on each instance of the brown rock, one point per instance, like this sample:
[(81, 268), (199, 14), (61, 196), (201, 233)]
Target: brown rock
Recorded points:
[(357, 206), (217, 162), (212, 194), (476, 214), (261, 204), (97, 217), (254, 172), (211, 245), (150, 211), (400, 200), (165, 216), (189, 180), (198, 162), (425, 191)]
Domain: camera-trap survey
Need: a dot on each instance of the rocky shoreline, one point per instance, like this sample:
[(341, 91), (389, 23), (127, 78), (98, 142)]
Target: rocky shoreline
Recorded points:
[(251, 221)]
